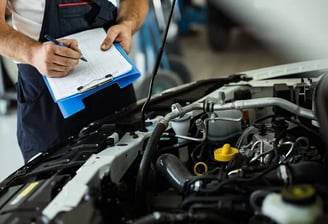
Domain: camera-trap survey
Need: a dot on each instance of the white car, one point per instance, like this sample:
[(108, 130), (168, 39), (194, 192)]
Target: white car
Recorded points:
[(247, 148)]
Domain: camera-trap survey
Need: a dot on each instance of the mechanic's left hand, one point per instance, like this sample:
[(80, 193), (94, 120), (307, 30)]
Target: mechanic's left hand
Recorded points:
[(120, 33)]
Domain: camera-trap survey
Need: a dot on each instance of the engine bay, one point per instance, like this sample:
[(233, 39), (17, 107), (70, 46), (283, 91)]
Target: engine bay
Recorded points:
[(229, 150)]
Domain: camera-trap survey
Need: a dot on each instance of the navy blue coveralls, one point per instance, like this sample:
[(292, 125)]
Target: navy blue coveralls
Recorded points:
[(40, 125)]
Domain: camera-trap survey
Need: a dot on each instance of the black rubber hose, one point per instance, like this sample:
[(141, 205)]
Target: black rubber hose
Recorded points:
[(303, 172), (218, 200), (174, 171), (321, 107), (162, 217), (144, 166), (186, 217)]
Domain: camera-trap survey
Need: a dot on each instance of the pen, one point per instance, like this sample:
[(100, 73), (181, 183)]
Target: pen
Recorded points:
[(53, 40)]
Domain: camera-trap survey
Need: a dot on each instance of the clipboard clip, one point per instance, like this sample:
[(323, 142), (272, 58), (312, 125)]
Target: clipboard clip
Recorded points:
[(95, 83)]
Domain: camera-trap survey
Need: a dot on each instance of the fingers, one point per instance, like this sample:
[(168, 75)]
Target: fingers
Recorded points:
[(70, 51), (71, 43), (57, 61), (126, 46)]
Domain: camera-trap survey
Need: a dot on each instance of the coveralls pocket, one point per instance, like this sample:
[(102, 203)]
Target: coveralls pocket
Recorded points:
[(30, 87), (31, 91), (75, 16)]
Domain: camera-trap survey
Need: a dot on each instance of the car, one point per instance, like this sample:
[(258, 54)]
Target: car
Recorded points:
[(245, 148)]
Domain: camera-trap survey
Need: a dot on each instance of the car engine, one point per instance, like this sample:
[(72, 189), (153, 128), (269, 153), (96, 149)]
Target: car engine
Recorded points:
[(238, 149)]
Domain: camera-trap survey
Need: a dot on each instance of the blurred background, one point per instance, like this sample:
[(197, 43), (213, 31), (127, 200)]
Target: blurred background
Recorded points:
[(207, 39)]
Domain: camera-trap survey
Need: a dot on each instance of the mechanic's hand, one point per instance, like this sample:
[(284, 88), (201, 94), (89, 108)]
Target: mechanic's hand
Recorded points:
[(56, 61), (120, 33)]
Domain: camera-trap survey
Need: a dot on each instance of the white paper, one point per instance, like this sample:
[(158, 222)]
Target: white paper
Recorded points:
[(100, 63)]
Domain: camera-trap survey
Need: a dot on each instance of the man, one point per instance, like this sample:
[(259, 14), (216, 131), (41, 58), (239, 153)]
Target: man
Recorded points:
[(40, 124)]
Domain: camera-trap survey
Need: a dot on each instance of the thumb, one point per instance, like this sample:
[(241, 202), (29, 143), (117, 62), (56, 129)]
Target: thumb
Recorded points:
[(106, 45), (109, 39)]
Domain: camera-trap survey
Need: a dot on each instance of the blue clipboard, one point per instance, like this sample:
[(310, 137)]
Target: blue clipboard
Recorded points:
[(74, 103)]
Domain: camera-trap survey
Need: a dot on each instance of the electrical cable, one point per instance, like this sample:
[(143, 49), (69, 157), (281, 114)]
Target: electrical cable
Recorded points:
[(156, 67)]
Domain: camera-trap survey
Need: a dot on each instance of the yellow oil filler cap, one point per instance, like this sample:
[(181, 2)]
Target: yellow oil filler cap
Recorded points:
[(225, 153)]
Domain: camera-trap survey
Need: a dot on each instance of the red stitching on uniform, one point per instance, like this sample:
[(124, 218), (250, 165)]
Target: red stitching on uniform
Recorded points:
[(74, 4)]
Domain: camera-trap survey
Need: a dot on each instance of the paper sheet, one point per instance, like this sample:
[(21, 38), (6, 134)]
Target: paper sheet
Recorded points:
[(100, 63)]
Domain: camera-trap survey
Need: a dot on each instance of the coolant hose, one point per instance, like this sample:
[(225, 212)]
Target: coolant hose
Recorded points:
[(173, 170), (145, 163)]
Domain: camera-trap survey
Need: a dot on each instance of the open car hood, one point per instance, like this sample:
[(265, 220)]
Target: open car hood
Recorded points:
[(247, 144)]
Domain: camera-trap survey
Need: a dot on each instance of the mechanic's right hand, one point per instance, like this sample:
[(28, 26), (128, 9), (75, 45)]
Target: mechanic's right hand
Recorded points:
[(56, 61)]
